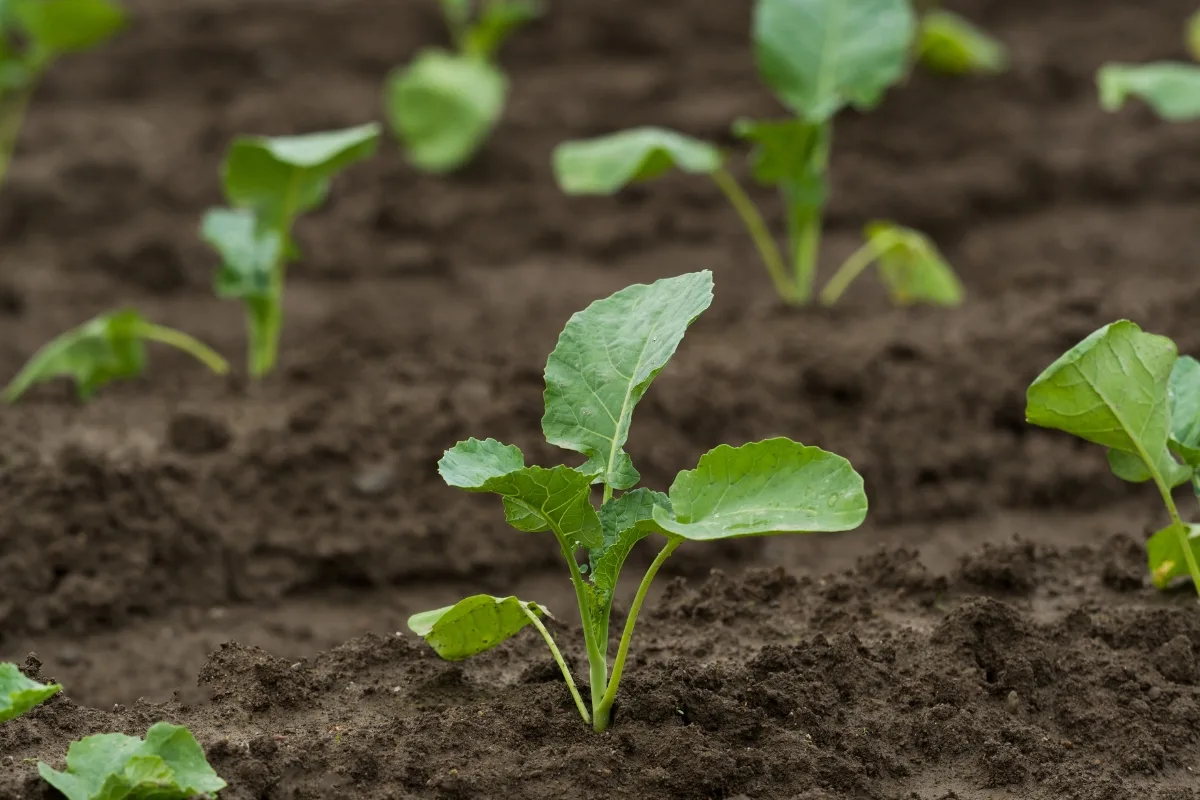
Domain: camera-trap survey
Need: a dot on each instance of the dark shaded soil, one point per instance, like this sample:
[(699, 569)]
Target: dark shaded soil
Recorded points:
[(178, 511)]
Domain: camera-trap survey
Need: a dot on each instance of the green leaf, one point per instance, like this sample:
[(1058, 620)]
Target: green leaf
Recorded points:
[(1171, 89), (786, 154), (952, 45), (1184, 392), (66, 26), (443, 106), (1111, 389), (1128, 467), (606, 358), (18, 694), (1165, 556), (288, 175), (168, 765), (607, 164), (248, 253), (911, 267), (497, 22), (619, 520), (761, 489), (472, 463), (820, 55), (472, 625)]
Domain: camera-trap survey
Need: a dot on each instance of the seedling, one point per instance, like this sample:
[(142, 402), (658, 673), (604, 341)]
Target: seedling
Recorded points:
[(110, 347), (19, 694), (168, 764), (818, 56), (605, 360), (33, 35), (1131, 392), (268, 183), (444, 104), (952, 45), (1170, 88)]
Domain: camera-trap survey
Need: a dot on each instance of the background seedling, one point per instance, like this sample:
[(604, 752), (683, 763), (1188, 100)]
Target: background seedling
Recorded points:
[(1171, 88), (818, 57), (605, 360), (268, 183), (1131, 392), (444, 105), (952, 45), (33, 34), (168, 764), (18, 694), (110, 347)]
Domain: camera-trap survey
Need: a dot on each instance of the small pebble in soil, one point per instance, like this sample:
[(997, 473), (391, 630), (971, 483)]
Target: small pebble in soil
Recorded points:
[(1012, 703), (1154, 693)]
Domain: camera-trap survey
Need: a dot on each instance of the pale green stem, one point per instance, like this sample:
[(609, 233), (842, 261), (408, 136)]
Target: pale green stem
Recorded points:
[(768, 250), (806, 243), (12, 117), (608, 492), (603, 710), (537, 623), (264, 348), (1182, 530), (847, 273), (193, 347), (597, 659)]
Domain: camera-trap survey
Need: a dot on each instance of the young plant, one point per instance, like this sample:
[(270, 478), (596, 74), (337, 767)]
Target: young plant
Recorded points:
[(444, 105), (268, 183), (604, 362), (110, 347), (818, 56), (1131, 392), (952, 45), (1170, 88), (19, 694), (168, 764), (33, 35)]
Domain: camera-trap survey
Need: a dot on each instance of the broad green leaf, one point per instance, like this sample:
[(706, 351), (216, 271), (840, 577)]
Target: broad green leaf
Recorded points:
[(497, 21), (606, 358), (820, 55), (18, 694), (472, 625), (1171, 89), (168, 765), (1165, 556), (911, 267), (1193, 35), (285, 176), (1184, 392), (472, 463), (619, 520), (952, 45), (763, 488), (67, 26), (787, 154), (1111, 389), (1128, 467), (249, 254), (607, 164), (443, 106)]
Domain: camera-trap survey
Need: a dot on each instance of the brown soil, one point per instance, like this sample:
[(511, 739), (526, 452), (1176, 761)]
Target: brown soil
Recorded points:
[(141, 532)]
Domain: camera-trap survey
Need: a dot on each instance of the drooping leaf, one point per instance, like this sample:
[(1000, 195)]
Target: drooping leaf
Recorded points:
[(1165, 556), (606, 358), (497, 21), (1184, 393), (18, 694), (1171, 89), (284, 176), (1111, 389), (472, 463), (66, 26), (952, 45), (472, 625), (249, 253), (911, 267), (607, 164), (821, 55), (168, 765), (763, 488), (442, 107)]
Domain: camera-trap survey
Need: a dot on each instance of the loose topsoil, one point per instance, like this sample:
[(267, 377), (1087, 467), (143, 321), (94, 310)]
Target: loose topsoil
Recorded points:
[(989, 632)]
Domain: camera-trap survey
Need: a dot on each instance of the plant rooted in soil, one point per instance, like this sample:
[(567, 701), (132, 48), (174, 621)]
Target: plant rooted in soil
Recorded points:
[(859, 49), (110, 347), (1171, 88), (168, 764), (33, 34), (443, 105), (604, 362), (18, 694), (268, 183), (1132, 392)]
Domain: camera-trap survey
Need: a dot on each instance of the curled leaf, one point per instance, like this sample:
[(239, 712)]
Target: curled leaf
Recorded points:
[(472, 625), (1171, 89), (1165, 556), (18, 694), (911, 267), (952, 45), (607, 164)]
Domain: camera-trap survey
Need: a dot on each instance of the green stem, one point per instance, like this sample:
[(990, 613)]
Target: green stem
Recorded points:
[(264, 337), (597, 658), (603, 710), (847, 273), (768, 250), (806, 236), (193, 347), (537, 623), (1181, 529), (12, 117)]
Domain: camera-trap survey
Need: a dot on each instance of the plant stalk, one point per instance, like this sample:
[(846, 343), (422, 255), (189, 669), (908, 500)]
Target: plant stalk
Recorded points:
[(596, 652), (12, 117), (853, 266), (554, 651), (193, 347), (1182, 530), (264, 340), (603, 711), (806, 236), (768, 250)]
